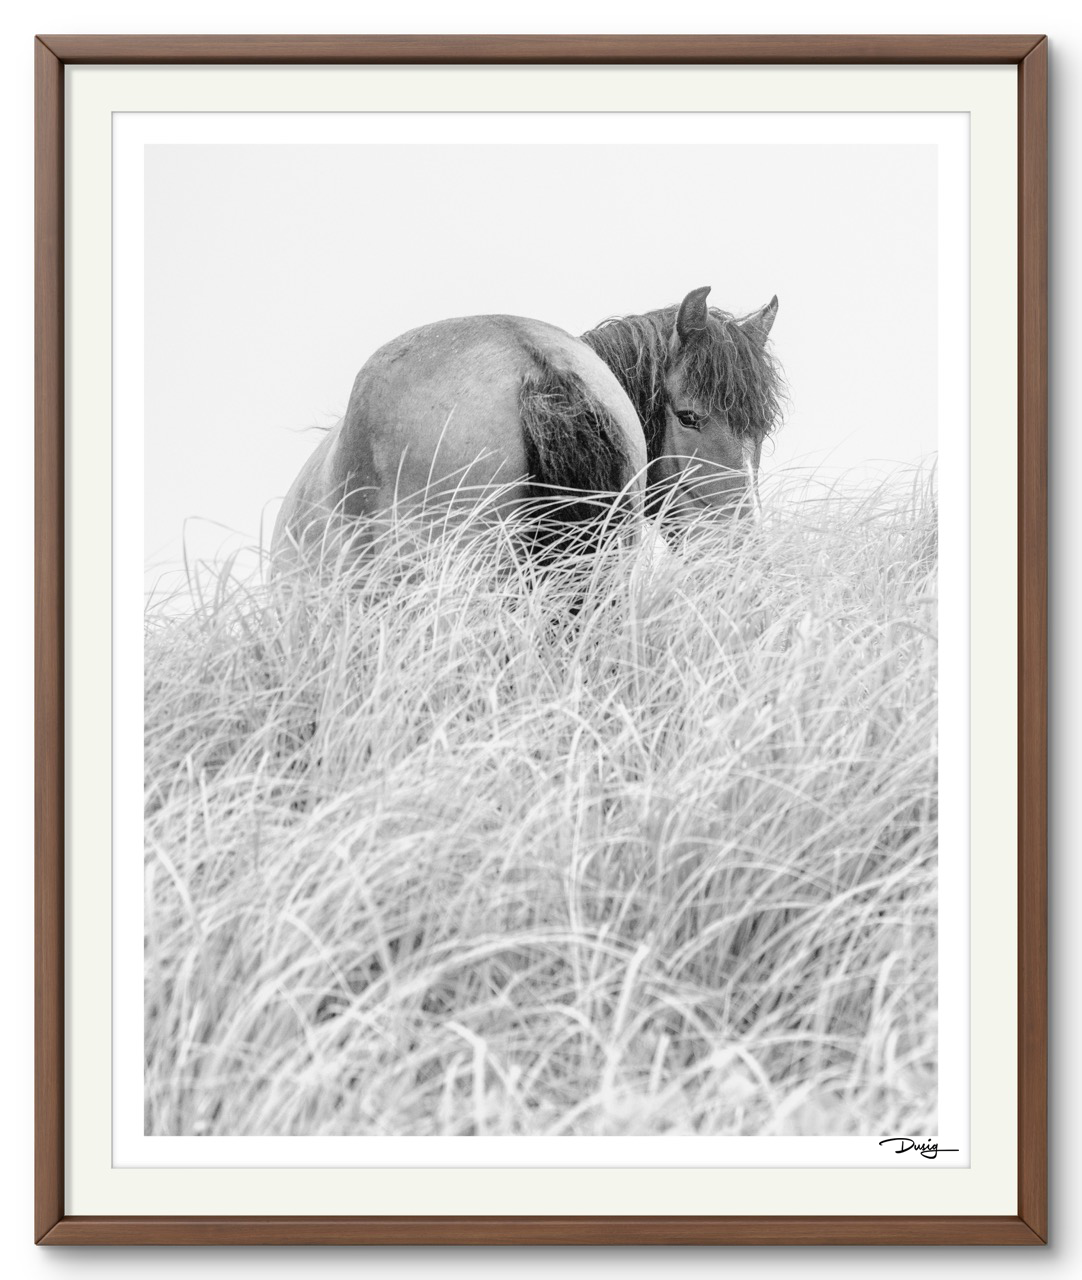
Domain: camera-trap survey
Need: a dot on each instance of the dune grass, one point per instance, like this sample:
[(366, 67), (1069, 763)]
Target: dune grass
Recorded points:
[(438, 845)]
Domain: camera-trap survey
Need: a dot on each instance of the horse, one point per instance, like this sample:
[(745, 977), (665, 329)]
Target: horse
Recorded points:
[(665, 410), (708, 392)]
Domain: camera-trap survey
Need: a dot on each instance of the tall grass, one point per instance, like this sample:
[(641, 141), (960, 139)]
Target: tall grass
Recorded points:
[(440, 845)]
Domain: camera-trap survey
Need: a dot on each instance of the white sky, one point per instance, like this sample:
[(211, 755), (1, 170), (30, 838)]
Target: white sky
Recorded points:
[(272, 272)]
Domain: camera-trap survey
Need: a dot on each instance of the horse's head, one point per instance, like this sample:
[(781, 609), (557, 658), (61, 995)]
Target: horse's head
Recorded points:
[(722, 390)]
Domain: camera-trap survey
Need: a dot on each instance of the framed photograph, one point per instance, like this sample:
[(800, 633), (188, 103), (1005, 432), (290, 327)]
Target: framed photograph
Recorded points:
[(541, 592)]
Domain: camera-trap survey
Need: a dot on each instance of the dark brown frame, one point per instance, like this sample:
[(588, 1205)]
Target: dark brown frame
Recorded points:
[(1029, 54)]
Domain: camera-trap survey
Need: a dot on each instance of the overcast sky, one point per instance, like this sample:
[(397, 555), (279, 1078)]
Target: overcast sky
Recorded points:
[(273, 272)]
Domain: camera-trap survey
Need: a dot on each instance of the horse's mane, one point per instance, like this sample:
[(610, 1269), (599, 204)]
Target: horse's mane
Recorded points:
[(728, 369)]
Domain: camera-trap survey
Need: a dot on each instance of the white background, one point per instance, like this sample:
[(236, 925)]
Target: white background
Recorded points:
[(1065, 26), (276, 245), (273, 271)]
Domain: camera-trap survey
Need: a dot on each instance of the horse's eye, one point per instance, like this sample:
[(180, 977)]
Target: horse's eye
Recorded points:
[(689, 418)]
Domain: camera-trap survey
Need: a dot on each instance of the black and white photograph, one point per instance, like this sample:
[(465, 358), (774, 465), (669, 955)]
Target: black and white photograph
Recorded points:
[(543, 733)]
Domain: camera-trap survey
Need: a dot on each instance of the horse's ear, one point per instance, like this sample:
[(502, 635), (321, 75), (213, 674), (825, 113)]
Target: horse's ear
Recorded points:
[(760, 322), (692, 316)]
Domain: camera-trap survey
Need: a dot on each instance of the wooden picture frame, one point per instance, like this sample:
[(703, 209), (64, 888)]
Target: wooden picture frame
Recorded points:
[(1028, 54)]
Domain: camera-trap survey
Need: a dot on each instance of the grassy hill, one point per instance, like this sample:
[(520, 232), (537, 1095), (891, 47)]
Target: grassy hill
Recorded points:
[(645, 845)]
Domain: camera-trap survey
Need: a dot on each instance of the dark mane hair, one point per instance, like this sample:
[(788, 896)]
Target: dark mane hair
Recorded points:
[(729, 370)]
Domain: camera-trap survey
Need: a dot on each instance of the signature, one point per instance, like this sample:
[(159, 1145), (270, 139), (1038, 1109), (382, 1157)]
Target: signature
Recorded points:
[(929, 1150)]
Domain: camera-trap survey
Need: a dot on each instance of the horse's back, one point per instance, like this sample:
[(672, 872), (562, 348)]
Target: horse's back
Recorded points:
[(439, 410)]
